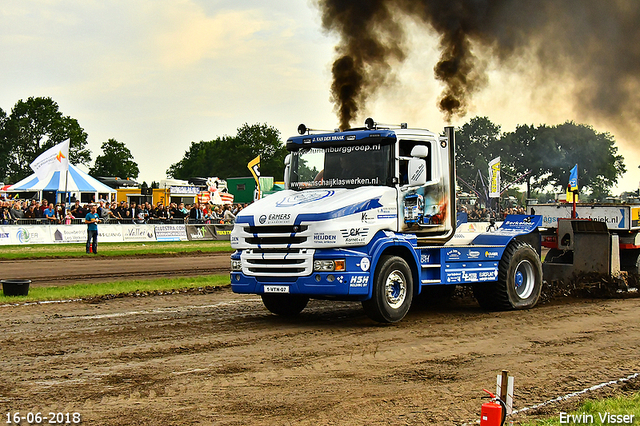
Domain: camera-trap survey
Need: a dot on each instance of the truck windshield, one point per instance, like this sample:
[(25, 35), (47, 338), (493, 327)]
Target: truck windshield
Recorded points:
[(341, 166)]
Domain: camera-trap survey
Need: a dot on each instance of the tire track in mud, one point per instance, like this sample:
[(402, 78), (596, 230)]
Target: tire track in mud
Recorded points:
[(222, 358)]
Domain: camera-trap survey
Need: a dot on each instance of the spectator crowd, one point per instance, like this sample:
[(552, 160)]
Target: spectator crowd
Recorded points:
[(33, 211), (482, 214)]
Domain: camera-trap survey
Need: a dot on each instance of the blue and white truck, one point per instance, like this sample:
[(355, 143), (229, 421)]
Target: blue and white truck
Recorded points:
[(369, 215)]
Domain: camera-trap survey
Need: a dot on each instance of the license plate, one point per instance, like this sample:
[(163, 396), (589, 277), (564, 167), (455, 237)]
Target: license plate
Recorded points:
[(276, 289)]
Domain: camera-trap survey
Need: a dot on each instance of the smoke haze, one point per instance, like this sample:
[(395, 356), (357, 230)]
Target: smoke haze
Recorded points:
[(593, 45)]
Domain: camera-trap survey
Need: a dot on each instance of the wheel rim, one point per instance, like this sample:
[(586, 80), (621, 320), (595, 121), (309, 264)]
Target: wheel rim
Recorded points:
[(395, 289), (524, 279)]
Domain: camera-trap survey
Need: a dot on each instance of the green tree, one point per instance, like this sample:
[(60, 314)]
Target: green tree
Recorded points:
[(116, 160), (34, 126), (5, 146), (476, 145), (228, 156), (548, 152), (599, 165)]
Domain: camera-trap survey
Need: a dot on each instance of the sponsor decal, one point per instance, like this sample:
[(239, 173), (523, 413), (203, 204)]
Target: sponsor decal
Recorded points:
[(354, 232), (322, 238), (473, 254), (367, 218), (419, 171), (454, 277), (365, 264), (454, 254), (491, 254), (355, 235), (387, 216), (472, 275), (425, 258), (304, 197), (328, 138), (276, 218), (359, 281), (263, 219)]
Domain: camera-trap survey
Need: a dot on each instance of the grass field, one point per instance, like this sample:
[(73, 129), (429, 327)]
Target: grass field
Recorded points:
[(80, 291), (84, 291), (112, 249), (599, 412)]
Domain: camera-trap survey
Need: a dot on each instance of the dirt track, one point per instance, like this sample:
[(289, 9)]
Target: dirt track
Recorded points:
[(44, 272), (221, 358)]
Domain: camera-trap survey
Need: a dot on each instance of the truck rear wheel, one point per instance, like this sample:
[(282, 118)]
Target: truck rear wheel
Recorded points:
[(392, 290), (286, 305), (519, 280)]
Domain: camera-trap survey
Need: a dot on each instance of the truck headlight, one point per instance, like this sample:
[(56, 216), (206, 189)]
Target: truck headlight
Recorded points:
[(329, 265), (236, 265)]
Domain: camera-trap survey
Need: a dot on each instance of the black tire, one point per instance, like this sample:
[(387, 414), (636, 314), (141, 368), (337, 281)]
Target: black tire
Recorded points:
[(519, 280), (285, 305), (434, 295), (392, 290)]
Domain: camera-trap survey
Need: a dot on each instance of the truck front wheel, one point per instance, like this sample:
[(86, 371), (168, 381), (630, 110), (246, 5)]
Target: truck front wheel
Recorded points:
[(392, 290), (286, 305), (519, 280)]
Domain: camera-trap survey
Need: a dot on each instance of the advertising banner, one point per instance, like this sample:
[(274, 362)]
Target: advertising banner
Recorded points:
[(138, 232), (494, 178), (223, 232), (35, 234), (171, 233), (68, 233), (200, 232), (110, 233), (5, 235), (616, 217)]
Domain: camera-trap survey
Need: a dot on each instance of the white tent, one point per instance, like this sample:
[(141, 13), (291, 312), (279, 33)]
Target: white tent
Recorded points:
[(56, 181)]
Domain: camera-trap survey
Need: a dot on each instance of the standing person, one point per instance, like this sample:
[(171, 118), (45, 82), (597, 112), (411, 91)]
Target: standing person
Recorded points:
[(92, 219)]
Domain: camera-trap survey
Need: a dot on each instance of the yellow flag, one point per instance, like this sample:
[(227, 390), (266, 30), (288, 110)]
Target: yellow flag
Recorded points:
[(254, 167)]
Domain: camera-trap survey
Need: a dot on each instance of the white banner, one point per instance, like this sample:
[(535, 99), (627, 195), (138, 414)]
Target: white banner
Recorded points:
[(494, 178), (171, 233), (34, 234), (138, 232), (110, 233), (5, 235), (68, 233)]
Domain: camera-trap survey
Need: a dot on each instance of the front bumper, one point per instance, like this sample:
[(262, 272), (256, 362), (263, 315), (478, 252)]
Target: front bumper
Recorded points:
[(355, 281)]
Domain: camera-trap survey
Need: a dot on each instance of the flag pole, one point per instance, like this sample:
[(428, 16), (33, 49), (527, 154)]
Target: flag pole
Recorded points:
[(66, 194)]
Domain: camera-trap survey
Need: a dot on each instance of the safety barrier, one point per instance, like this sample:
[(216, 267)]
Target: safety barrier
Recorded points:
[(34, 233)]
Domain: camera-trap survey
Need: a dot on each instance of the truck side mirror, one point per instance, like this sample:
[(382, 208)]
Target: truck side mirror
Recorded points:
[(287, 169), (420, 151), (417, 171)]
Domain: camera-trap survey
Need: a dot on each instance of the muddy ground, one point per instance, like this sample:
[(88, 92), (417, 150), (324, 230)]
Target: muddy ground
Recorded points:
[(221, 358)]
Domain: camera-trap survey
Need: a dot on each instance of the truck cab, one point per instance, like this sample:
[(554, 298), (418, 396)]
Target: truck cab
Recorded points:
[(366, 215)]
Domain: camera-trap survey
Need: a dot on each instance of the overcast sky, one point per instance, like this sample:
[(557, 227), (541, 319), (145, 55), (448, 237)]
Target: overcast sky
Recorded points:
[(159, 74)]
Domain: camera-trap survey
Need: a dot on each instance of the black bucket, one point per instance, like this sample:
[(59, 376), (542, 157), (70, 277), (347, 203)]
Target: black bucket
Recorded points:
[(15, 287)]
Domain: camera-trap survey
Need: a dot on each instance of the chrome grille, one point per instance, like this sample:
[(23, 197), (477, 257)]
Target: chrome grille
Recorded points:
[(275, 262)]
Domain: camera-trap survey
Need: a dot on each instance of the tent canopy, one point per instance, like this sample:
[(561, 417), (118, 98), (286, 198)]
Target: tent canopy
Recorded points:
[(79, 181)]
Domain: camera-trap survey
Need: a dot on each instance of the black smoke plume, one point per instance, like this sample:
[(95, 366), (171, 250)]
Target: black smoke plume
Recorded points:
[(593, 44)]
